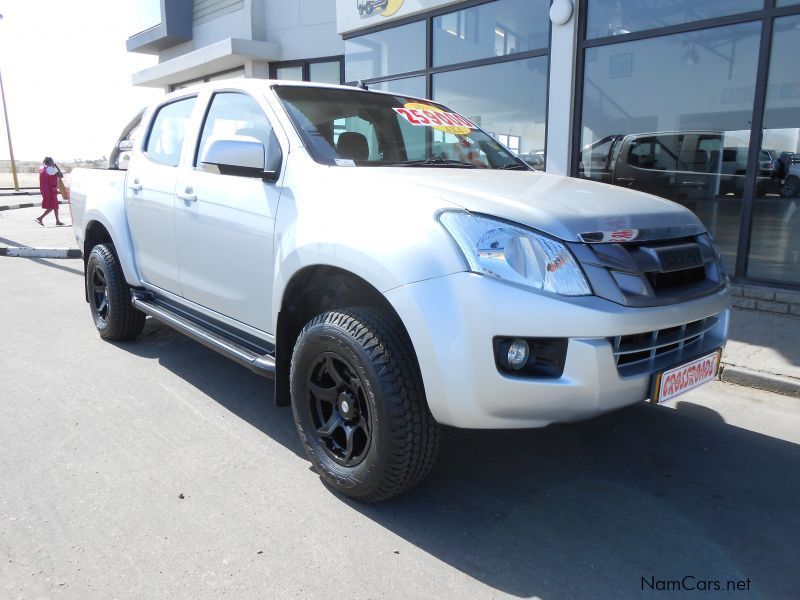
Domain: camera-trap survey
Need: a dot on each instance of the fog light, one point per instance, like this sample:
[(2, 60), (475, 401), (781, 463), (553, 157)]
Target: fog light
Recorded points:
[(518, 353)]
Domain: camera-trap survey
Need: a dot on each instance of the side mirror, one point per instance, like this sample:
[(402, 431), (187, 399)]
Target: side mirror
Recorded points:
[(239, 155)]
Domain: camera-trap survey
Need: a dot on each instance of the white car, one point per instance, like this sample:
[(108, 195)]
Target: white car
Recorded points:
[(395, 269)]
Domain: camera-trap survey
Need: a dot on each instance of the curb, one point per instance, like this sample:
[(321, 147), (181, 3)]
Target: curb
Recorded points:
[(25, 205), (786, 386), (27, 252)]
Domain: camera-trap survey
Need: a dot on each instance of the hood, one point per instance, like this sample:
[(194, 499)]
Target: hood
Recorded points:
[(563, 207)]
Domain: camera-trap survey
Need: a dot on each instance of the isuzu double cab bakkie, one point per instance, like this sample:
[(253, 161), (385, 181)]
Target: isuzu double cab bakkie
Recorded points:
[(394, 269)]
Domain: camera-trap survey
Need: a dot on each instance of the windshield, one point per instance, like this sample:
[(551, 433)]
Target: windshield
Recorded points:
[(358, 128)]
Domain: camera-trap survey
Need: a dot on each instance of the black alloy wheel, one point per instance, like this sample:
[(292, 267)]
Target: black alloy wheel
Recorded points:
[(99, 293), (359, 404), (110, 297), (339, 409)]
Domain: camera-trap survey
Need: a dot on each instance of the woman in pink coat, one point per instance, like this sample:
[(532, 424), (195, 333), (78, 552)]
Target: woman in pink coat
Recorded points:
[(48, 185)]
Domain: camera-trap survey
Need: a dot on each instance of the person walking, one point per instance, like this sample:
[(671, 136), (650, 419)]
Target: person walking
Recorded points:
[(49, 174)]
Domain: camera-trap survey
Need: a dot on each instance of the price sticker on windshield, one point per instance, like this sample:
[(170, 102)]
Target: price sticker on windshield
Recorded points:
[(425, 115)]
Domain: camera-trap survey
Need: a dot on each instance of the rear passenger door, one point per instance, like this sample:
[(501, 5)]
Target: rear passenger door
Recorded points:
[(150, 197), (225, 223)]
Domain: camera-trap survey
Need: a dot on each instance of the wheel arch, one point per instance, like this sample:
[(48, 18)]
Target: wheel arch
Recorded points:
[(311, 291)]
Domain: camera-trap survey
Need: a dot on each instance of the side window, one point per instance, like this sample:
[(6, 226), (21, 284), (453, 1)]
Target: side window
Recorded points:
[(234, 114), (657, 153), (168, 132)]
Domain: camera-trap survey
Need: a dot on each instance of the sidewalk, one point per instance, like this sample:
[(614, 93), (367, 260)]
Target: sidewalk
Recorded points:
[(20, 235), (763, 349), (763, 352)]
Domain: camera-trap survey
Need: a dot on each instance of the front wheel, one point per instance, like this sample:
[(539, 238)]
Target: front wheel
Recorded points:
[(359, 404), (790, 187), (110, 297)]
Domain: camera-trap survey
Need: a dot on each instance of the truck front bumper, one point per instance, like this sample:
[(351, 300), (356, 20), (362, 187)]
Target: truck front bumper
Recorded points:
[(452, 321)]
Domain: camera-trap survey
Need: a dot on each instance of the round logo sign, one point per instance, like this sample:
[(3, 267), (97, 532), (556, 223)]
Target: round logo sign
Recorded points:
[(385, 8)]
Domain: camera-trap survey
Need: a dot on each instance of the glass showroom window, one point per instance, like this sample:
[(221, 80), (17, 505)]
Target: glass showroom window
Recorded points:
[(495, 29), (509, 103), (671, 116), (324, 70), (388, 52), (410, 86), (618, 17), (775, 240)]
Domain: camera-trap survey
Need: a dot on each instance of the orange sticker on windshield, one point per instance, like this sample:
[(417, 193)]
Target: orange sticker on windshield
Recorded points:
[(425, 115)]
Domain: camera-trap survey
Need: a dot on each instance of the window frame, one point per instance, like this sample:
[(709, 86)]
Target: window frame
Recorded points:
[(305, 64), (152, 123)]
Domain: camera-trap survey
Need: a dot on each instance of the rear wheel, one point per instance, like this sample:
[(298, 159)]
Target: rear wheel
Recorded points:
[(359, 404), (110, 296)]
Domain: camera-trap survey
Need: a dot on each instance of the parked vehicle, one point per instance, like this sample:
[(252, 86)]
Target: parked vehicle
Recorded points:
[(394, 269), (686, 165), (534, 159)]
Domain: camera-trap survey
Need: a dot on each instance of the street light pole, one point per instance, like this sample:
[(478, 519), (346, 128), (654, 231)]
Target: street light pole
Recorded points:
[(8, 132)]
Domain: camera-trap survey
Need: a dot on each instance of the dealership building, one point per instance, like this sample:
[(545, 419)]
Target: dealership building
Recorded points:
[(695, 101)]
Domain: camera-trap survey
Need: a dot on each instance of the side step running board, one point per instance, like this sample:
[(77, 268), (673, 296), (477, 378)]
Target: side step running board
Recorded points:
[(263, 364)]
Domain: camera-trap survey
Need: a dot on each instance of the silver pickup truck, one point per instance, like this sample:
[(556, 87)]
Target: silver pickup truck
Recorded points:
[(394, 269)]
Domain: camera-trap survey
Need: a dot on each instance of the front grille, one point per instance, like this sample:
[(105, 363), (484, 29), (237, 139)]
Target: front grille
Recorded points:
[(675, 279), (653, 350), (652, 272)]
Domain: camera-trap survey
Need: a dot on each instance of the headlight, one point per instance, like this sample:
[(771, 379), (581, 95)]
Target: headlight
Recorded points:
[(515, 254)]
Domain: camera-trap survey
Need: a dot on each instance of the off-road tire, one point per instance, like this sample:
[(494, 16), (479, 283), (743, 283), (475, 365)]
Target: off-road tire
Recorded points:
[(790, 187), (117, 320), (404, 437)]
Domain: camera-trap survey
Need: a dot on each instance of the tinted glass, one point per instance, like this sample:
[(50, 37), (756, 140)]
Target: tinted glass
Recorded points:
[(617, 17), (233, 114), (325, 72), (494, 29), (168, 132), (389, 52), (787, 2), (410, 86), (509, 103), (349, 128), (689, 146), (289, 73), (775, 241)]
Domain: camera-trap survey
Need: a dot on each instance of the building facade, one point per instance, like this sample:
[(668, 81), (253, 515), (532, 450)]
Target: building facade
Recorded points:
[(697, 102)]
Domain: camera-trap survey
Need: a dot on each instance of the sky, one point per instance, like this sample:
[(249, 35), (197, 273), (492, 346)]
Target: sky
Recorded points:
[(67, 75)]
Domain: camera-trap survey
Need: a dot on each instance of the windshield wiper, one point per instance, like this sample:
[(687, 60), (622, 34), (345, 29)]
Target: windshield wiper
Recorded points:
[(435, 162), (513, 167)]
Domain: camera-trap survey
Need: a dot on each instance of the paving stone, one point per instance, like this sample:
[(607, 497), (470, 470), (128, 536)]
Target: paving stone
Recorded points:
[(790, 297), (758, 293), (775, 307), (744, 303)]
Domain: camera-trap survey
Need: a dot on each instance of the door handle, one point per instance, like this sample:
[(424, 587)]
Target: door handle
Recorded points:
[(135, 186), (187, 195)]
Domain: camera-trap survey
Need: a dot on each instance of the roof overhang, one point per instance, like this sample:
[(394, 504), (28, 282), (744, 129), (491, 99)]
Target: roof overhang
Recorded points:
[(175, 28), (214, 58)]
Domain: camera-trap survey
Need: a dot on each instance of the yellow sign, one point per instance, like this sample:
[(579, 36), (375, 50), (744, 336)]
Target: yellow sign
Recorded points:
[(385, 8), (426, 115)]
